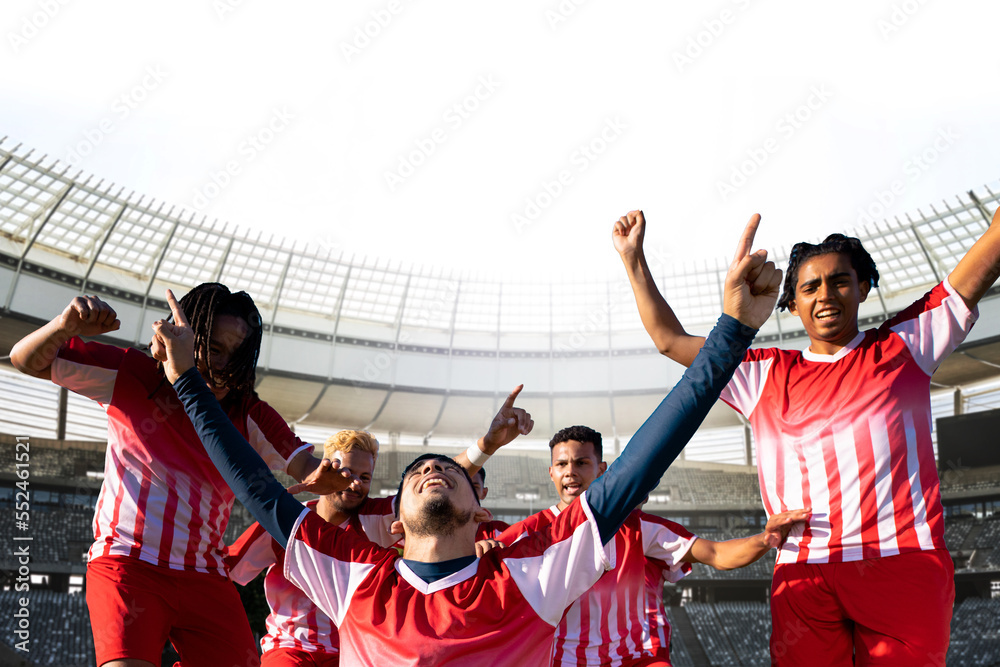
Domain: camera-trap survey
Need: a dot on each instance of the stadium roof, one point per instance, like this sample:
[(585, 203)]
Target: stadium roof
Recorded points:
[(417, 350)]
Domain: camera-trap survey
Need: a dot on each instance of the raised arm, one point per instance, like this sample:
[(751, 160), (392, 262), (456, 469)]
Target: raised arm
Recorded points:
[(657, 316), (980, 268), (84, 316), (751, 291), (731, 554), (508, 423), (239, 464)]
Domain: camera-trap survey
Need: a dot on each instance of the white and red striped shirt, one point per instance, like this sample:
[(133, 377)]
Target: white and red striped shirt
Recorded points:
[(609, 623), (849, 434), (502, 608), (659, 627), (295, 622), (162, 500)]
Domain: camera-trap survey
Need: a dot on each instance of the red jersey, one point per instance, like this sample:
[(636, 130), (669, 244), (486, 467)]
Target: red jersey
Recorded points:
[(609, 623), (657, 572), (295, 622), (490, 530), (501, 609), (162, 501), (849, 434)]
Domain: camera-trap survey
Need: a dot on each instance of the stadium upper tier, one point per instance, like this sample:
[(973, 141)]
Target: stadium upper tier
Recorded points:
[(418, 351)]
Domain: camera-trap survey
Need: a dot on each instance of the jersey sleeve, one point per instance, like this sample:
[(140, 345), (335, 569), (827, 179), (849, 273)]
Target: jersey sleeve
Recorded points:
[(251, 554), (89, 369), (329, 563), (555, 565), (668, 543), (744, 390), (376, 516), (269, 434), (934, 325)]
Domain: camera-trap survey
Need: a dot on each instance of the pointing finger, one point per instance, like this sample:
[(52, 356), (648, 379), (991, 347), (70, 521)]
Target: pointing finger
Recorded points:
[(175, 309), (746, 241), (509, 403)]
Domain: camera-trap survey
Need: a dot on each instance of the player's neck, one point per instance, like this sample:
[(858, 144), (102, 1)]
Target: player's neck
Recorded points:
[(831, 347), (438, 548), (330, 514)]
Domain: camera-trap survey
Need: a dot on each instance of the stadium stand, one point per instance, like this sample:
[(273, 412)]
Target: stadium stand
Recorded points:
[(680, 655), (712, 637), (60, 628), (975, 633)]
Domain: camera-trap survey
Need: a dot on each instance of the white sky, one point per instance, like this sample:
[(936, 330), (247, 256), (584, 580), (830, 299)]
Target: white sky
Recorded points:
[(887, 79)]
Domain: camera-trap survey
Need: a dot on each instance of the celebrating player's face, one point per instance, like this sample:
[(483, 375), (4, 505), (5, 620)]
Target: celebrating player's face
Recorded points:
[(228, 333), (361, 465), (827, 296), (436, 498), (574, 466)]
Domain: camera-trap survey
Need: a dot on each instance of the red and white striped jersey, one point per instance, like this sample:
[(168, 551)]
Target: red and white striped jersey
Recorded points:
[(657, 572), (502, 609), (162, 500), (609, 623), (295, 622), (849, 434)]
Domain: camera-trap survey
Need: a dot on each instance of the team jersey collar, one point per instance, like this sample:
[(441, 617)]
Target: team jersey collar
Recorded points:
[(422, 586), (841, 353)]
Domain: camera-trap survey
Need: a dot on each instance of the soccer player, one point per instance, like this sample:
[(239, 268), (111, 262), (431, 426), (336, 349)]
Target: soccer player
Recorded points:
[(156, 570), (488, 530), (439, 603), (845, 427), (609, 624), (298, 633)]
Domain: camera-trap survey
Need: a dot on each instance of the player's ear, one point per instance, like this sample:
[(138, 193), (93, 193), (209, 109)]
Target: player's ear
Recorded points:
[(602, 468), (486, 491), (396, 528), (482, 514), (865, 287)]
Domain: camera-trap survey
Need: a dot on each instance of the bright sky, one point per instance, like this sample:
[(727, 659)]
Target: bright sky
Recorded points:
[(507, 137)]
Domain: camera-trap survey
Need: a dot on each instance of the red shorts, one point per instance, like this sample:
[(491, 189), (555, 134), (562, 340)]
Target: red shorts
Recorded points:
[(293, 657), (135, 607), (884, 611)]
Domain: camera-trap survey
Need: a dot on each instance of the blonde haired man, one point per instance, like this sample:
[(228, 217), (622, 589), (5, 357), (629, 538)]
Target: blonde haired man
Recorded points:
[(298, 633)]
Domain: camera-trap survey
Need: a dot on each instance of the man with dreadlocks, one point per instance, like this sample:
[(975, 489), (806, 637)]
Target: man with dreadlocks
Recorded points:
[(156, 569), (844, 427)]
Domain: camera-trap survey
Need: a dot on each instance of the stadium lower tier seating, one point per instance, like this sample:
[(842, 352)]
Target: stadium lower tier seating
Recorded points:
[(59, 627), (731, 633)]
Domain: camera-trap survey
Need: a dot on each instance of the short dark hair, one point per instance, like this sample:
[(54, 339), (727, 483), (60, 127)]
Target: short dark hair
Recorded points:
[(861, 262), (482, 475), (580, 434), (420, 459), (201, 306)]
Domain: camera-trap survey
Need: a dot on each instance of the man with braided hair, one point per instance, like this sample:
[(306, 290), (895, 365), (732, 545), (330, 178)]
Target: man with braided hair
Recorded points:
[(844, 426), (156, 570)]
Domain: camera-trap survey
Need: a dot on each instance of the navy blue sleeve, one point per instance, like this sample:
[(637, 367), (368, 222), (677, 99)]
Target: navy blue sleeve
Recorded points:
[(240, 465), (661, 438)]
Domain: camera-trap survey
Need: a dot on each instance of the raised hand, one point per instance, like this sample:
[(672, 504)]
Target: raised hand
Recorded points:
[(88, 316), (508, 423), (176, 340), (628, 233), (752, 283), (328, 477), (778, 525)]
